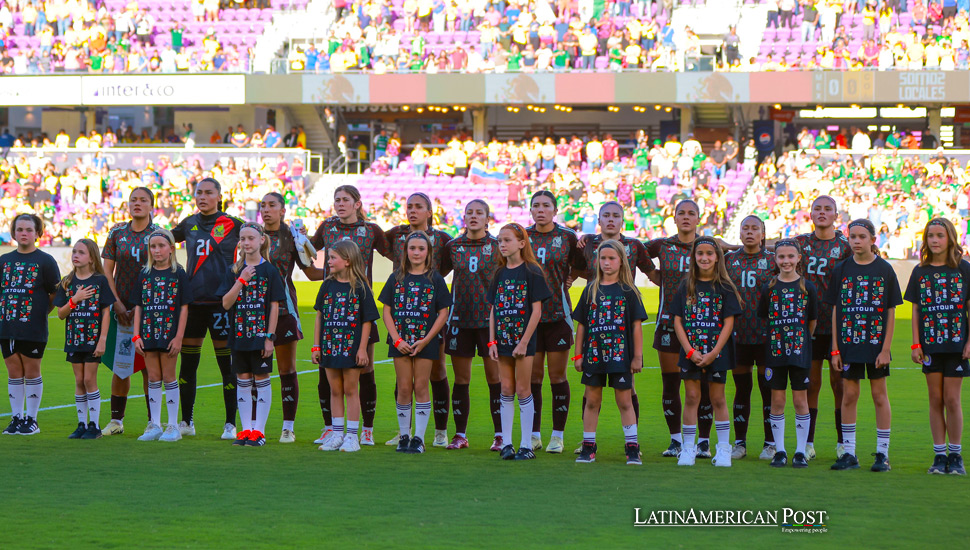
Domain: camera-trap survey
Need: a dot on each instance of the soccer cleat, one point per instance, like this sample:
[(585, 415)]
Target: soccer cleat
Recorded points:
[(632, 451), (703, 449), (687, 456), (403, 442), (954, 464), (93, 431), (188, 428), (810, 451), (674, 448), (578, 449), (779, 460), (367, 437), (333, 442), (939, 465), (228, 432), (536, 443), (508, 453), (846, 462), (171, 434), (416, 446), (458, 442), (13, 428), (114, 427), (525, 453), (839, 450), (440, 438), (287, 436), (152, 432), (351, 445), (722, 456), (767, 453), (881, 464), (79, 432), (496, 444), (323, 436), (555, 446), (28, 427), (256, 439), (393, 441), (241, 438), (739, 451), (587, 454), (799, 461)]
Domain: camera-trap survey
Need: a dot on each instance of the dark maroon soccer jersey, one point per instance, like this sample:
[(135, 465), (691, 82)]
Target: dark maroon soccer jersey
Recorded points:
[(396, 237), (368, 236), (820, 257), (750, 273), (636, 254), (558, 255), (474, 262), (674, 257), (129, 250), (283, 256)]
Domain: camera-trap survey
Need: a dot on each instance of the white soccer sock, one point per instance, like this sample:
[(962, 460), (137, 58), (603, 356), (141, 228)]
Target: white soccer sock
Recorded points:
[(34, 390), (527, 412), (15, 390), (404, 419), (288, 425), (264, 402), (723, 429), (956, 448), (689, 432), (353, 426), (802, 424), (778, 431), (508, 418), (171, 402), (882, 442), (155, 401), (81, 402), (94, 408), (556, 433), (630, 433), (422, 413), (848, 438), (589, 437), (338, 426), (678, 437), (244, 402)]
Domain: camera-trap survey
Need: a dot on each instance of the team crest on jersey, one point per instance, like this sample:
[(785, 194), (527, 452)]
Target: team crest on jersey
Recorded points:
[(768, 373), (218, 231), (665, 340), (629, 251), (557, 241), (836, 252), (361, 231), (487, 250), (762, 263)]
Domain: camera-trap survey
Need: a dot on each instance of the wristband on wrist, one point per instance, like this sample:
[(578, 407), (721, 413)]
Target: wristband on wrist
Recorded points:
[(314, 348), (242, 281), (690, 353), (398, 343), (578, 357), (836, 352), (492, 343), (70, 302), (135, 338), (915, 346)]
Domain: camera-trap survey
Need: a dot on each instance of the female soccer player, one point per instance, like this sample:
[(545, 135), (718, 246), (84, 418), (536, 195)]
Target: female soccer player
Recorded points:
[(704, 311), (284, 256), (473, 257), (345, 313), (161, 296), (28, 280), (555, 248), (411, 296), (939, 290), (787, 303), (349, 223), (864, 294), (750, 269), (124, 255), (83, 298), (210, 237), (516, 295), (609, 345)]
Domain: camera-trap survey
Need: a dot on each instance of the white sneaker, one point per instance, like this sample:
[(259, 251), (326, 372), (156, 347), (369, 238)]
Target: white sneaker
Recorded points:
[(188, 428), (323, 436), (556, 445), (287, 436), (722, 456), (536, 443), (152, 432), (739, 451), (839, 451), (440, 438), (810, 451), (392, 442), (367, 437), (172, 433), (687, 455), (115, 427), (350, 445), (333, 442), (228, 433), (767, 453)]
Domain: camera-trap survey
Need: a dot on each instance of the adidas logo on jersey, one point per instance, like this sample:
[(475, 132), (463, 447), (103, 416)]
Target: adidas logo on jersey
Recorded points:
[(35, 351), (288, 334), (960, 369), (622, 379), (562, 342), (736, 262), (195, 228)]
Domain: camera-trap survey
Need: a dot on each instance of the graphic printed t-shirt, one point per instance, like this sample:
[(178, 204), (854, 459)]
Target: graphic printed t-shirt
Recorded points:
[(512, 293), (558, 255), (161, 294), (820, 257), (704, 320), (609, 327), (342, 319), (249, 316), (82, 328), (129, 250), (942, 294), (26, 283), (415, 302), (788, 312), (474, 262), (862, 296), (750, 273)]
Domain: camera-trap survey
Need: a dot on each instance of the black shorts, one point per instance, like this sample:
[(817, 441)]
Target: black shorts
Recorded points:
[(375, 335), (207, 317), (822, 347), (554, 336), (82, 357), (464, 342), (778, 378), (431, 351), (666, 340), (27, 348), (952, 365), (860, 371), (251, 362), (750, 354), (155, 350), (288, 330), (694, 372), (616, 380)]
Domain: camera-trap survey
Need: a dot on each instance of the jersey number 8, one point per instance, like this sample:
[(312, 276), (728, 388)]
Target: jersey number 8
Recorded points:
[(473, 264)]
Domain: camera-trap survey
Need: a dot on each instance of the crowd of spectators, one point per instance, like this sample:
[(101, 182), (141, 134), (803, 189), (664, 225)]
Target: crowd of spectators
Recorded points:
[(237, 137)]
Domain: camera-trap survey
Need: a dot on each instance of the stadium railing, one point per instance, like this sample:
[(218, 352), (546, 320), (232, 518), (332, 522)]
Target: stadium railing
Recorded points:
[(136, 158)]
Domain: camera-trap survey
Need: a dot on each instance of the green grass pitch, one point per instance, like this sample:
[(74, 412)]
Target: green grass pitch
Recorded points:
[(201, 492)]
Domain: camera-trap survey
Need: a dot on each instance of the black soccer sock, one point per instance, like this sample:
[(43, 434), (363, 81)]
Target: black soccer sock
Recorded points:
[(582, 412), (439, 403), (705, 412), (188, 374), (838, 423), (118, 404), (368, 398), (460, 403), (811, 429), (537, 403), (560, 405), (636, 406), (224, 360), (742, 405), (289, 395), (495, 406), (765, 390), (670, 401), (323, 393)]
